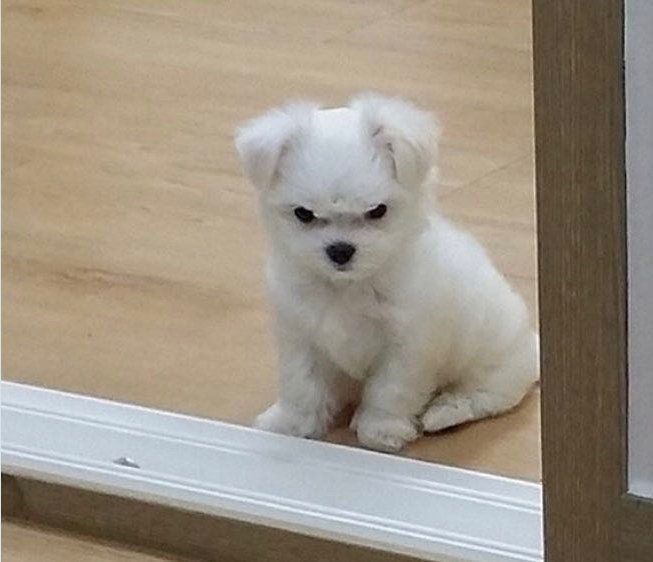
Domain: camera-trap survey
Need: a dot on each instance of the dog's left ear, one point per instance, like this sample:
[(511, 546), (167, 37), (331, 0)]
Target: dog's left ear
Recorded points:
[(403, 134)]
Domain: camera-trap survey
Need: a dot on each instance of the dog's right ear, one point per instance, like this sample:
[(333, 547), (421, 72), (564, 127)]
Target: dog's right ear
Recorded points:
[(262, 141)]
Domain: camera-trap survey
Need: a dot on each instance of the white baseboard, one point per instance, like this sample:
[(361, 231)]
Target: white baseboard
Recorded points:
[(351, 495)]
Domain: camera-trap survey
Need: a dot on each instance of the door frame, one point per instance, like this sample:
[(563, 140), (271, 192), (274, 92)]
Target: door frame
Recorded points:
[(581, 200), (210, 490)]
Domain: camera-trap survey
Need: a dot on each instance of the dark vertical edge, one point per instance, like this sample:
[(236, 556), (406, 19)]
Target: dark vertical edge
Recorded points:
[(580, 176)]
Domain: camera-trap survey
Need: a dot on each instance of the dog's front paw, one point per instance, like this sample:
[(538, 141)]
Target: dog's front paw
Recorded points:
[(383, 431), (289, 421)]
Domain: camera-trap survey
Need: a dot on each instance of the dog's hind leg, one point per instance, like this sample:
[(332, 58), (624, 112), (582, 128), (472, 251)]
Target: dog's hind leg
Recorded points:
[(488, 392)]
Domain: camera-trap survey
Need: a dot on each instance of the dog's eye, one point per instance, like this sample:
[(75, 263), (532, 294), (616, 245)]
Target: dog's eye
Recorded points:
[(304, 215), (377, 212)]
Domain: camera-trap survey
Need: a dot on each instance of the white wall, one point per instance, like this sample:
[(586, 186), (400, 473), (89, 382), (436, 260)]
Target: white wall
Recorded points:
[(639, 163)]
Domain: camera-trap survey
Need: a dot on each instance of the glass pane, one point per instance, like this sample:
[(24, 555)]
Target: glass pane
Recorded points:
[(639, 147), (134, 251)]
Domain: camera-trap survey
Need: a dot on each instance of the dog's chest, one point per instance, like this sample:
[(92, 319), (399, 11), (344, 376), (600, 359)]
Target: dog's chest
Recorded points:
[(350, 330)]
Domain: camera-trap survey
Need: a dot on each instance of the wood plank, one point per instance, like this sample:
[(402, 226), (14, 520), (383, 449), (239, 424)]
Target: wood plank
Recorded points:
[(27, 543), (177, 533)]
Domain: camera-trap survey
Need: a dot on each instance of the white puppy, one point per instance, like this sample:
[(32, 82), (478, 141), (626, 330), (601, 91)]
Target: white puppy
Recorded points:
[(379, 299)]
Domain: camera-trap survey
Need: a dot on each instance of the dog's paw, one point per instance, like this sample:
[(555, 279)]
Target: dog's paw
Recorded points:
[(382, 431), (282, 419), (442, 417)]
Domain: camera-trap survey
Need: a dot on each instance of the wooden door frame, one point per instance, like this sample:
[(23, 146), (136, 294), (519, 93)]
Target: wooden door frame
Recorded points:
[(581, 200)]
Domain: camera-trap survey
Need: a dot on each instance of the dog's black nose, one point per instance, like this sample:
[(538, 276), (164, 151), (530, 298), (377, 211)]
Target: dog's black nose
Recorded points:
[(340, 252)]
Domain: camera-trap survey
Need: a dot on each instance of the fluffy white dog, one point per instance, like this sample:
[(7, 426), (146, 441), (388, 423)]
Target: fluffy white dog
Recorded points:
[(380, 301)]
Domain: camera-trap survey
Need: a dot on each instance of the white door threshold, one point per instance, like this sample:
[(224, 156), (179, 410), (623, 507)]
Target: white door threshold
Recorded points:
[(351, 495)]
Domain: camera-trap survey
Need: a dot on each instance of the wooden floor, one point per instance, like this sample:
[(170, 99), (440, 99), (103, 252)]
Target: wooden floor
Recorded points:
[(132, 252), (23, 543)]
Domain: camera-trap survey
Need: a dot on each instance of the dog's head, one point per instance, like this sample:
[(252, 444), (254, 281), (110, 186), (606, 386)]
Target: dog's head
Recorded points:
[(342, 190)]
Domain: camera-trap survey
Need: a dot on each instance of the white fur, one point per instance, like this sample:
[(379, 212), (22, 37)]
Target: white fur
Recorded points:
[(421, 331)]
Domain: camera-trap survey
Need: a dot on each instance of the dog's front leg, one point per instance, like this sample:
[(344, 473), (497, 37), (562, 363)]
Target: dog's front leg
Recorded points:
[(392, 400), (309, 394)]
